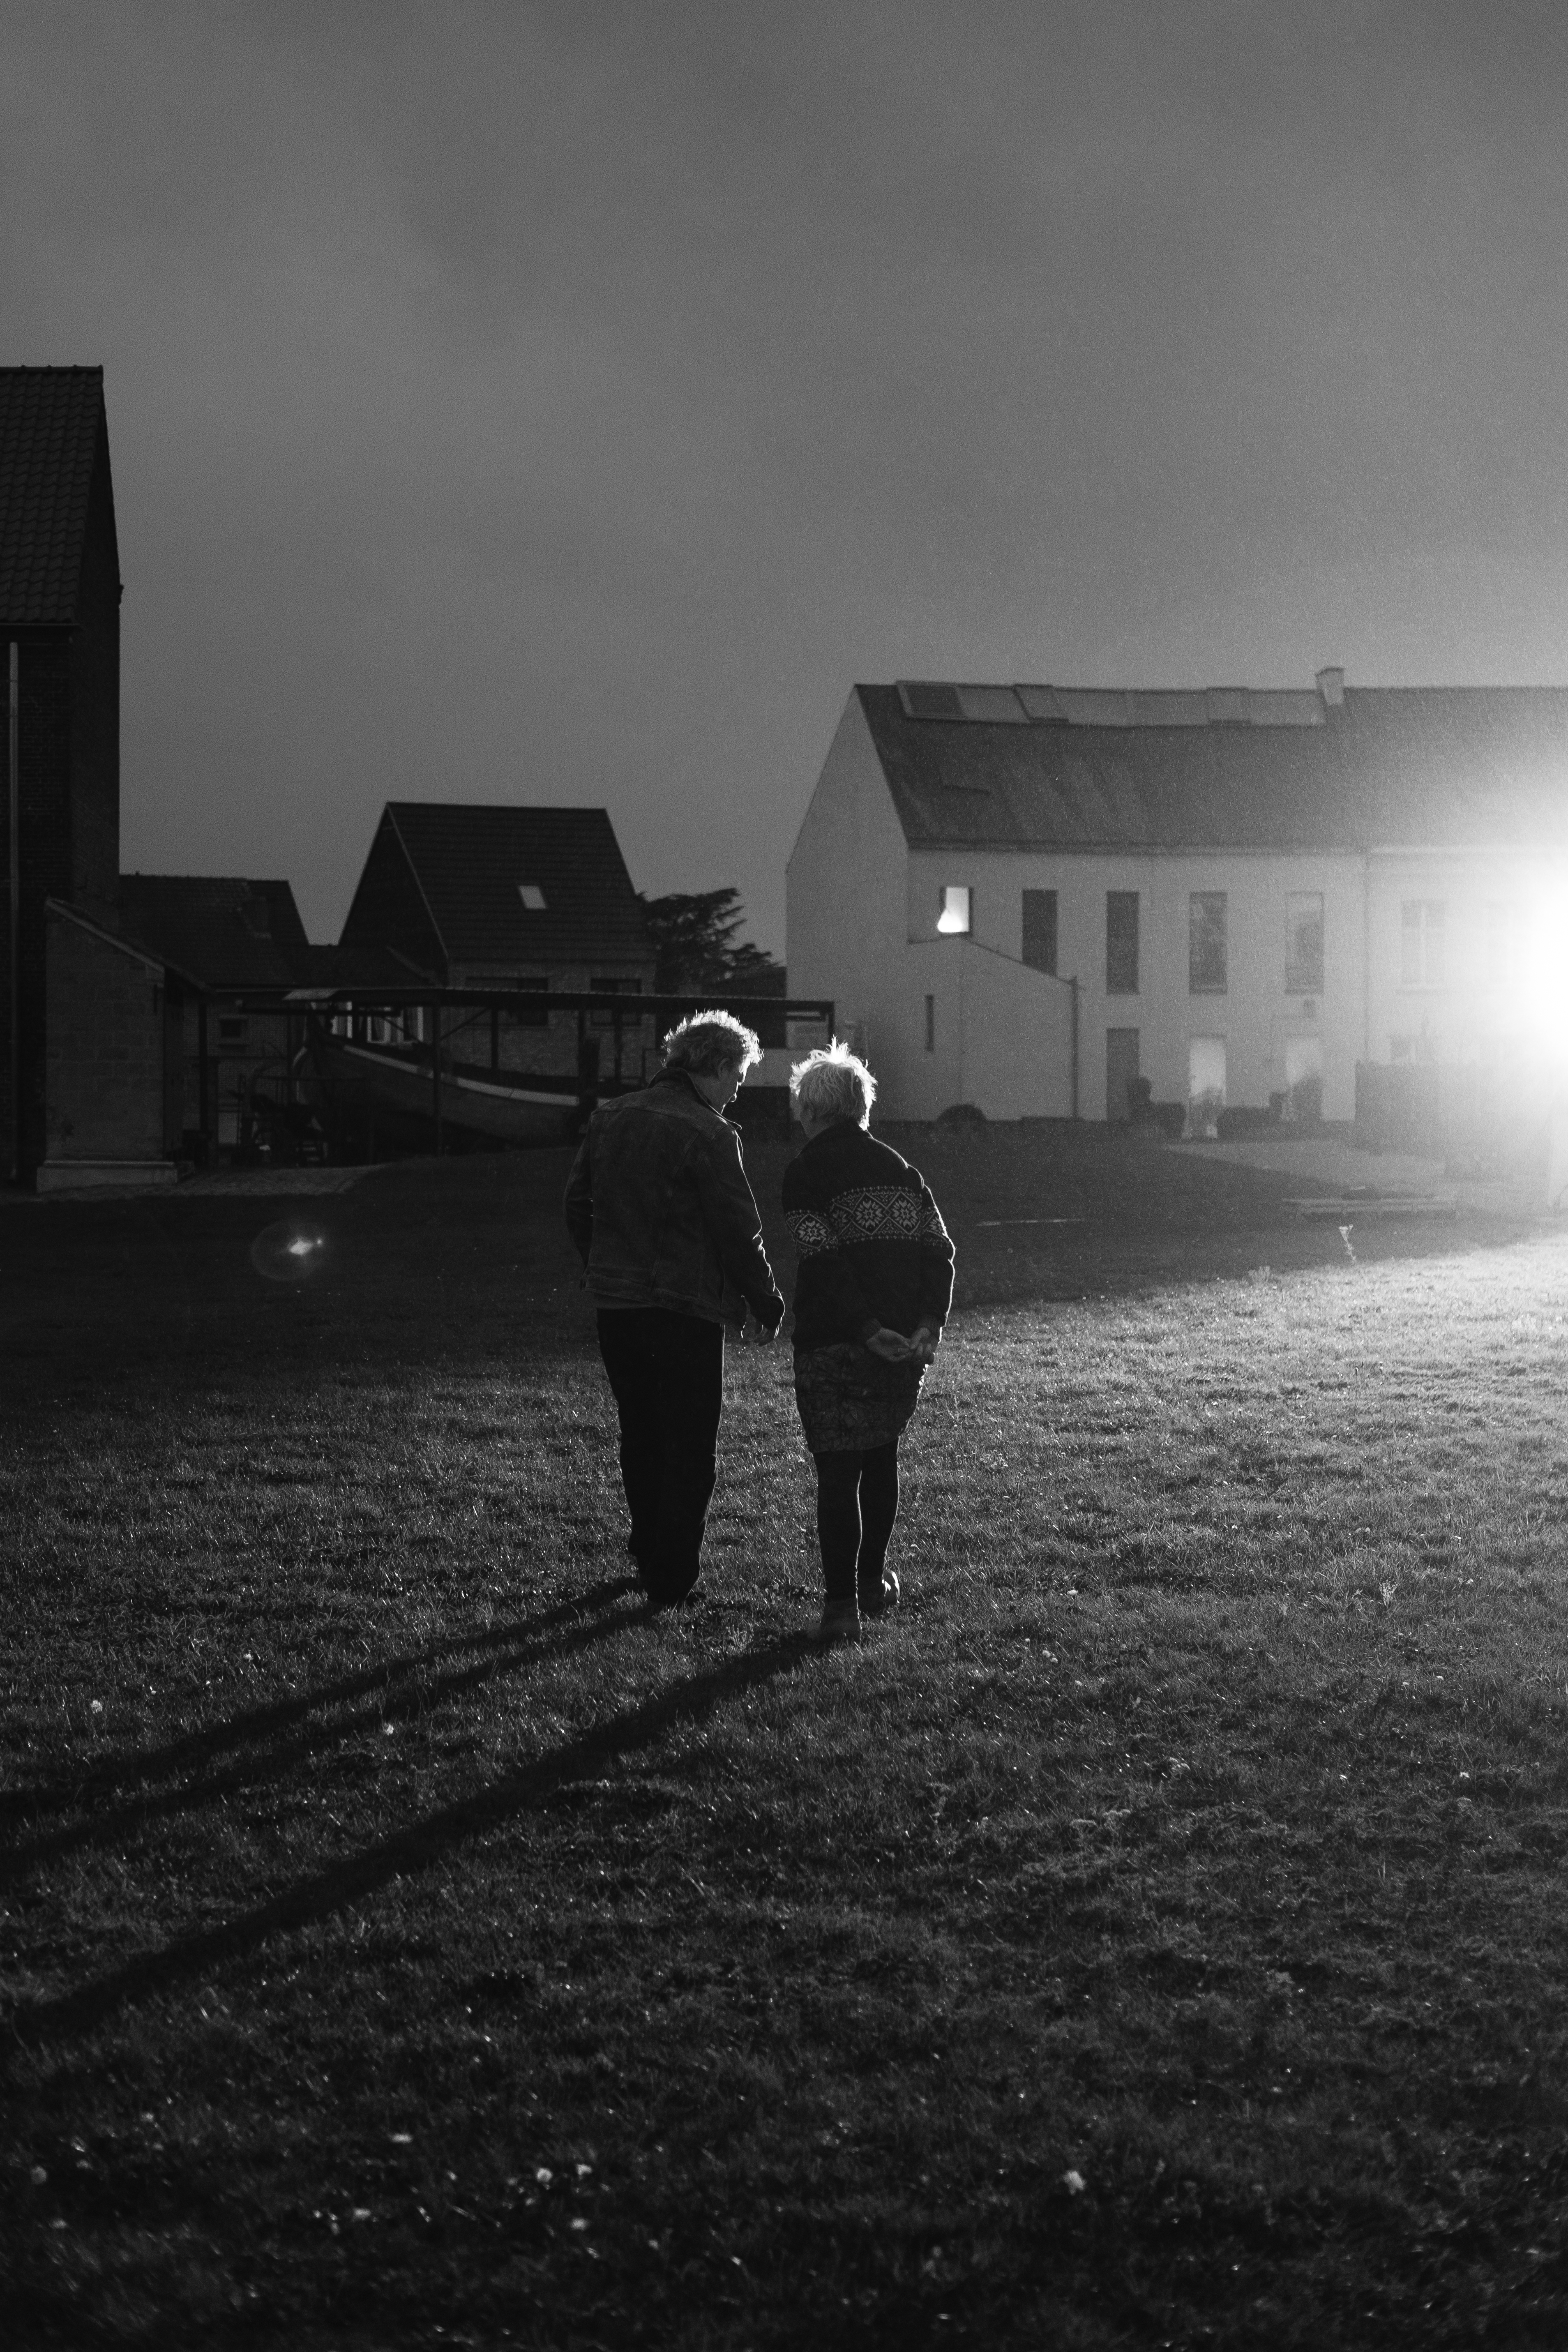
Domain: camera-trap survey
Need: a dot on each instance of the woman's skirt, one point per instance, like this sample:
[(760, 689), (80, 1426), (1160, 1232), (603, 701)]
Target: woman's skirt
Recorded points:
[(851, 1401)]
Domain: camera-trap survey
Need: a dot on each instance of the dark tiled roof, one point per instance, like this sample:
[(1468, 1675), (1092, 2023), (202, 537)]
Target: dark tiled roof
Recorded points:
[(52, 424), (471, 861), (1391, 766), (218, 929)]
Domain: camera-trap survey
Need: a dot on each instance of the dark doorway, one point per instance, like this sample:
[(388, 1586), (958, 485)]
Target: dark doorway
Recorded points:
[(1121, 1069)]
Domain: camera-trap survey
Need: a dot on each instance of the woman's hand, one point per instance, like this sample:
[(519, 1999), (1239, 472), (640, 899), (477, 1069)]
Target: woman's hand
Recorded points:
[(924, 1342), (892, 1346)]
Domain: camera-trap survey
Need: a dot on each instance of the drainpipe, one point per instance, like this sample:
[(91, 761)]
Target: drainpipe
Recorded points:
[(14, 870)]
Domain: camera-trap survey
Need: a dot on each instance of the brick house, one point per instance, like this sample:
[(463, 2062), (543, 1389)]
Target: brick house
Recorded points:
[(82, 1010), (482, 896), (1259, 896), (219, 939)]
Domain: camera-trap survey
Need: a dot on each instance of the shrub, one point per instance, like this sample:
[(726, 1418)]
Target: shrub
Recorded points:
[(1244, 1119)]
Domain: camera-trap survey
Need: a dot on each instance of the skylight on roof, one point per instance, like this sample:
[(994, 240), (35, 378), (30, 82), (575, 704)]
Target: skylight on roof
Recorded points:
[(533, 897)]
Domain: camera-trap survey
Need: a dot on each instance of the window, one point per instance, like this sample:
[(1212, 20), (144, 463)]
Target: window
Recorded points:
[(1040, 930), (1304, 943), (533, 897), (1422, 926), (233, 1029), (1205, 943), (1205, 1084), (931, 1024), (402, 1026), (1122, 943), (611, 987), (955, 913)]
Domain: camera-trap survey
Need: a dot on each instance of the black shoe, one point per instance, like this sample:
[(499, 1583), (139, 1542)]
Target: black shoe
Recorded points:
[(882, 1602), (660, 1599)]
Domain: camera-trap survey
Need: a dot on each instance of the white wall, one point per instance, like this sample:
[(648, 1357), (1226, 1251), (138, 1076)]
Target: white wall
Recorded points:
[(1255, 1015), (843, 902)]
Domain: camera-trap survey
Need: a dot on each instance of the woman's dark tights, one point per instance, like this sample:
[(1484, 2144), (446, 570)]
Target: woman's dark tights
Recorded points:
[(857, 1503)]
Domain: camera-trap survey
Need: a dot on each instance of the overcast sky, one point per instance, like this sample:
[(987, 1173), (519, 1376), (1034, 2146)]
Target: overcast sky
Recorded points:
[(569, 401)]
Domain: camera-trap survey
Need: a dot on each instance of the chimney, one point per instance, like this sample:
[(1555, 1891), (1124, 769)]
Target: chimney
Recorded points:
[(1332, 686)]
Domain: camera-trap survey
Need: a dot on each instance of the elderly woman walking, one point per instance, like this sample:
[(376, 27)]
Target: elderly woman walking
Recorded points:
[(667, 1227), (872, 1292)]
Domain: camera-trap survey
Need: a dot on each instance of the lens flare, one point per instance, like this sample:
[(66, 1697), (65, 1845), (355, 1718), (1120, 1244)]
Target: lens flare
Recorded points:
[(289, 1252)]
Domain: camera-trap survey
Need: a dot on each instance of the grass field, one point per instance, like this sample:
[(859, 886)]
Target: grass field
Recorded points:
[(1155, 1935)]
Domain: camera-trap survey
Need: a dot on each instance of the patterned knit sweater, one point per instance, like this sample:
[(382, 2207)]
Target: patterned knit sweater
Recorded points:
[(872, 1247)]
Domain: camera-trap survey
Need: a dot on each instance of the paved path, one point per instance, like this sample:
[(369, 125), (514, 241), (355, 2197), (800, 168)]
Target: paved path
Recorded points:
[(1327, 1164)]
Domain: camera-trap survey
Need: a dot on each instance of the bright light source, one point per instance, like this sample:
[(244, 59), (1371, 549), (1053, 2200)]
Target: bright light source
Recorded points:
[(1528, 954), (953, 917)]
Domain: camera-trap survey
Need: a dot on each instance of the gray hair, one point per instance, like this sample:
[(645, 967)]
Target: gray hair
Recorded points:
[(833, 1083), (707, 1043)]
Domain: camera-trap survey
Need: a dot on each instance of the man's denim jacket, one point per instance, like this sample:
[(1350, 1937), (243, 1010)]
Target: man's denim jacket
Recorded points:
[(659, 1205)]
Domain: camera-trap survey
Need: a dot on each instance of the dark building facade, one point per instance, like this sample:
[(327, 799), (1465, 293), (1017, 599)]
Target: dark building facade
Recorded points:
[(80, 1095), (225, 944)]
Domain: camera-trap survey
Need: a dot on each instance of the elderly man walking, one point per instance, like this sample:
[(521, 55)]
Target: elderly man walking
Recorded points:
[(666, 1224)]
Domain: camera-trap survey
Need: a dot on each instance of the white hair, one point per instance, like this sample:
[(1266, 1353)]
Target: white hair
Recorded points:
[(833, 1083)]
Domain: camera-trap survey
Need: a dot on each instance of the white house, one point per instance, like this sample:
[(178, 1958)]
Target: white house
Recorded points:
[(1022, 897)]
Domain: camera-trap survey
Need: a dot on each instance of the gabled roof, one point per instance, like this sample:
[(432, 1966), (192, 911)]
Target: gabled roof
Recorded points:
[(472, 862), (1225, 768), (218, 929), (51, 428)]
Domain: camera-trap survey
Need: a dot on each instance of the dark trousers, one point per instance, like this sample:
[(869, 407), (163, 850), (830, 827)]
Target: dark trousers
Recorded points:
[(857, 1503), (667, 1374)]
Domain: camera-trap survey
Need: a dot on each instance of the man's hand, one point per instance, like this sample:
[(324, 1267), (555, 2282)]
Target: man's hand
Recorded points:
[(892, 1346), (770, 1326), (924, 1341)]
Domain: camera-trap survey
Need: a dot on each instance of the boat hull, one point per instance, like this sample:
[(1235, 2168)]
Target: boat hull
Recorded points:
[(390, 1090)]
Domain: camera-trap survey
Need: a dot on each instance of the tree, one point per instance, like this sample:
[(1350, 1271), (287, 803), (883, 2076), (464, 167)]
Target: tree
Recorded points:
[(695, 948)]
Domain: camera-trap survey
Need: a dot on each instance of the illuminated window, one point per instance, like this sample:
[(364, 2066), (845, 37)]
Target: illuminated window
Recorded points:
[(954, 915), (1205, 1084), (1423, 927), (1304, 943), (533, 897), (1206, 958), (1040, 930), (1304, 1079), (1122, 943)]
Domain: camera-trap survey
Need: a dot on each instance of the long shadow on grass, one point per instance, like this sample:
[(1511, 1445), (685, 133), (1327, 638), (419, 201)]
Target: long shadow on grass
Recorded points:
[(556, 1632), (409, 1850)]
